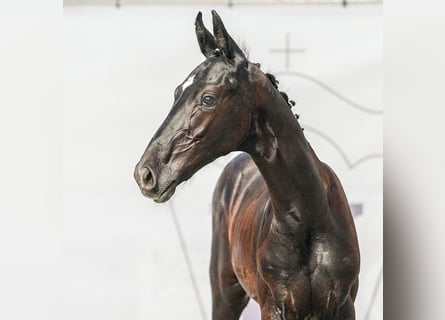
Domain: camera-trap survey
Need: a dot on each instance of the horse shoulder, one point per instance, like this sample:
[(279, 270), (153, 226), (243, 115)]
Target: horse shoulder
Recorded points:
[(344, 251), (340, 213)]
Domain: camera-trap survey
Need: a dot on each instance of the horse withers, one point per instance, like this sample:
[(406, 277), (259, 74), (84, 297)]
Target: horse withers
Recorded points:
[(283, 233)]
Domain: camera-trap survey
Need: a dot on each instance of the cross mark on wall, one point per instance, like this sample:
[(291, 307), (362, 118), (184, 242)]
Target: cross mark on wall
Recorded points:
[(288, 50)]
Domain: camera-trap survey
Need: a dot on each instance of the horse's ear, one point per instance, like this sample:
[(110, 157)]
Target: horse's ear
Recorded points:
[(224, 41), (206, 41)]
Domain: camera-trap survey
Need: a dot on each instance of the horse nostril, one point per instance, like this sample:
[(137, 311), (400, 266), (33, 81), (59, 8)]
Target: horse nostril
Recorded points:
[(147, 178)]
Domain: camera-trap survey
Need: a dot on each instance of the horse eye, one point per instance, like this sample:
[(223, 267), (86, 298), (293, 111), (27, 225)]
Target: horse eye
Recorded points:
[(208, 100)]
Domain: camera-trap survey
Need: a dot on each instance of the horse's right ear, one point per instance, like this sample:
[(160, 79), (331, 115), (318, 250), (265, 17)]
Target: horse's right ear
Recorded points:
[(225, 41), (206, 40)]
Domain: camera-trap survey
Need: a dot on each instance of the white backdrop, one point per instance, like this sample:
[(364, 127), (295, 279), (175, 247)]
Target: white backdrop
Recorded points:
[(122, 252)]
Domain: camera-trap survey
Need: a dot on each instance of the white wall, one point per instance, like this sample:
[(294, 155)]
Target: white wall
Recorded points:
[(123, 255)]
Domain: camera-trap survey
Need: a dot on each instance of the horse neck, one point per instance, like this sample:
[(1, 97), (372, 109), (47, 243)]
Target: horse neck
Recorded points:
[(286, 161)]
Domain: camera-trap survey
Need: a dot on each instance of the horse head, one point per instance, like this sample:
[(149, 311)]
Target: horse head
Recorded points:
[(210, 117)]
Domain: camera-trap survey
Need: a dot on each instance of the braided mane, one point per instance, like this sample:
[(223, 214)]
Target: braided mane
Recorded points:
[(275, 83)]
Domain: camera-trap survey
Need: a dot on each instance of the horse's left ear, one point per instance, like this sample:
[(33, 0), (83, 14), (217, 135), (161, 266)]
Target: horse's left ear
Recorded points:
[(224, 41), (205, 38)]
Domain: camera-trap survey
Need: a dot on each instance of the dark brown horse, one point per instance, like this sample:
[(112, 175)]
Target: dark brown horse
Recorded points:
[(283, 233)]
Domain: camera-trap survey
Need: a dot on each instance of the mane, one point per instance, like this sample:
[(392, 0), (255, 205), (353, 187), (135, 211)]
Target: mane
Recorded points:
[(271, 77), (291, 103), (285, 96)]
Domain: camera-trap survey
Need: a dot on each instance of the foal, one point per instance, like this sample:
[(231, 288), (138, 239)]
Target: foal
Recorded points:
[(283, 233)]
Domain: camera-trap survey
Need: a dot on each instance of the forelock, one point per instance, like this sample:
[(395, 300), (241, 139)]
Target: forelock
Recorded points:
[(213, 70)]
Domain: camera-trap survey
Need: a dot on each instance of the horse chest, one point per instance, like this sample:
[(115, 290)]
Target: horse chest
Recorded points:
[(305, 279), (298, 279)]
